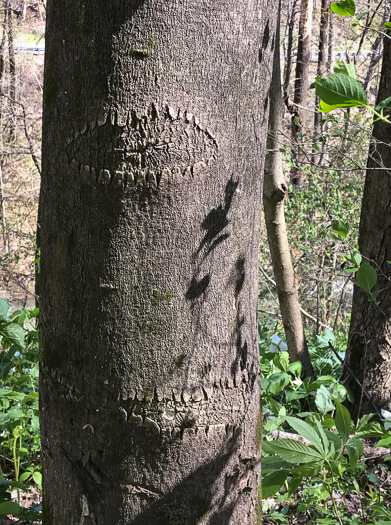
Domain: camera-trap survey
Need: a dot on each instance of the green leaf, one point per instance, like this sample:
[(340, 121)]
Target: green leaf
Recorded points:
[(296, 368), (373, 429), (272, 463), (322, 434), (294, 483), (275, 383), (309, 470), (361, 15), (385, 442), (387, 25), (353, 456), (37, 477), (334, 438), (357, 257), (272, 482), (337, 392), (343, 421), (4, 307), (292, 451), (344, 8), (281, 361), (379, 108), (341, 227), (340, 91), (366, 277), (14, 333), (305, 430), (355, 450), (9, 507), (323, 400), (346, 69)]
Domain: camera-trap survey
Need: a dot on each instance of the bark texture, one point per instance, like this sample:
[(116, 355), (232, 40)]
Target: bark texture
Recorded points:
[(154, 121), (274, 192), (369, 353), (321, 70)]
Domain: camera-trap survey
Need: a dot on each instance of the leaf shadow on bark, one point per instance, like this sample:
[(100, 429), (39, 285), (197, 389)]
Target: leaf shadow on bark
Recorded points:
[(193, 501), (213, 225)]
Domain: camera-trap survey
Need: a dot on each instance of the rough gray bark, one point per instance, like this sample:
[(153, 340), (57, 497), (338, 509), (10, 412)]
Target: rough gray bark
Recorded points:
[(288, 53), (153, 147), (369, 354), (274, 193)]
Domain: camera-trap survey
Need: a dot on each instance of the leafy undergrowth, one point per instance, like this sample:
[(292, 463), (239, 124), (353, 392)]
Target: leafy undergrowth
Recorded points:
[(20, 469), (319, 467)]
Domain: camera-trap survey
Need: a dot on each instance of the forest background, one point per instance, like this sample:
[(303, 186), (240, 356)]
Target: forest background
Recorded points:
[(324, 157)]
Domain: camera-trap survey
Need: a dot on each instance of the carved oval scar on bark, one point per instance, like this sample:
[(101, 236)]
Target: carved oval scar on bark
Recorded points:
[(142, 150)]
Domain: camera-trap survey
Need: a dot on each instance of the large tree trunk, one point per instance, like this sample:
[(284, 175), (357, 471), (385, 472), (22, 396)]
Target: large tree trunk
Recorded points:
[(274, 193), (154, 121), (369, 353)]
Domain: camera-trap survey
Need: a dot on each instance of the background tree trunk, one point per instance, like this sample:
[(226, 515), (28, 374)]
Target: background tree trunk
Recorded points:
[(153, 147), (274, 192), (321, 70), (369, 353)]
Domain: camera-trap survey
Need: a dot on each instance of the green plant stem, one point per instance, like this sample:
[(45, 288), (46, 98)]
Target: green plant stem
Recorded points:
[(381, 117), (332, 498), (17, 463)]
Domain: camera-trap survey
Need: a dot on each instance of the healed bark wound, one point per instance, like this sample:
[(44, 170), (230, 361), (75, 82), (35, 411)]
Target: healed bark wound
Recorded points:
[(154, 121), (274, 192)]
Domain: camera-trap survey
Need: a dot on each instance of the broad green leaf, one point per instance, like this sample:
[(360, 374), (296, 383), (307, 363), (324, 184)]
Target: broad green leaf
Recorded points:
[(355, 450), (387, 25), (272, 482), (296, 368), (37, 477), (357, 257), (340, 91), (363, 422), (300, 393), (292, 451), (325, 108), (366, 277), (334, 438), (373, 429), (343, 421), (344, 8), (326, 444), (305, 430), (9, 507), (281, 361), (309, 470), (323, 400), (294, 483), (14, 333), (385, 442), (341, 227), (4, 307), (338, 392), (353, 456), (272, 463), (275, 406), (12, 394), (346, 69), (275, 383)]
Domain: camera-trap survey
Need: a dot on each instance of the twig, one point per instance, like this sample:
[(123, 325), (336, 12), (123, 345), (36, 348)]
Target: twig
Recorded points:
[(304, 312)]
